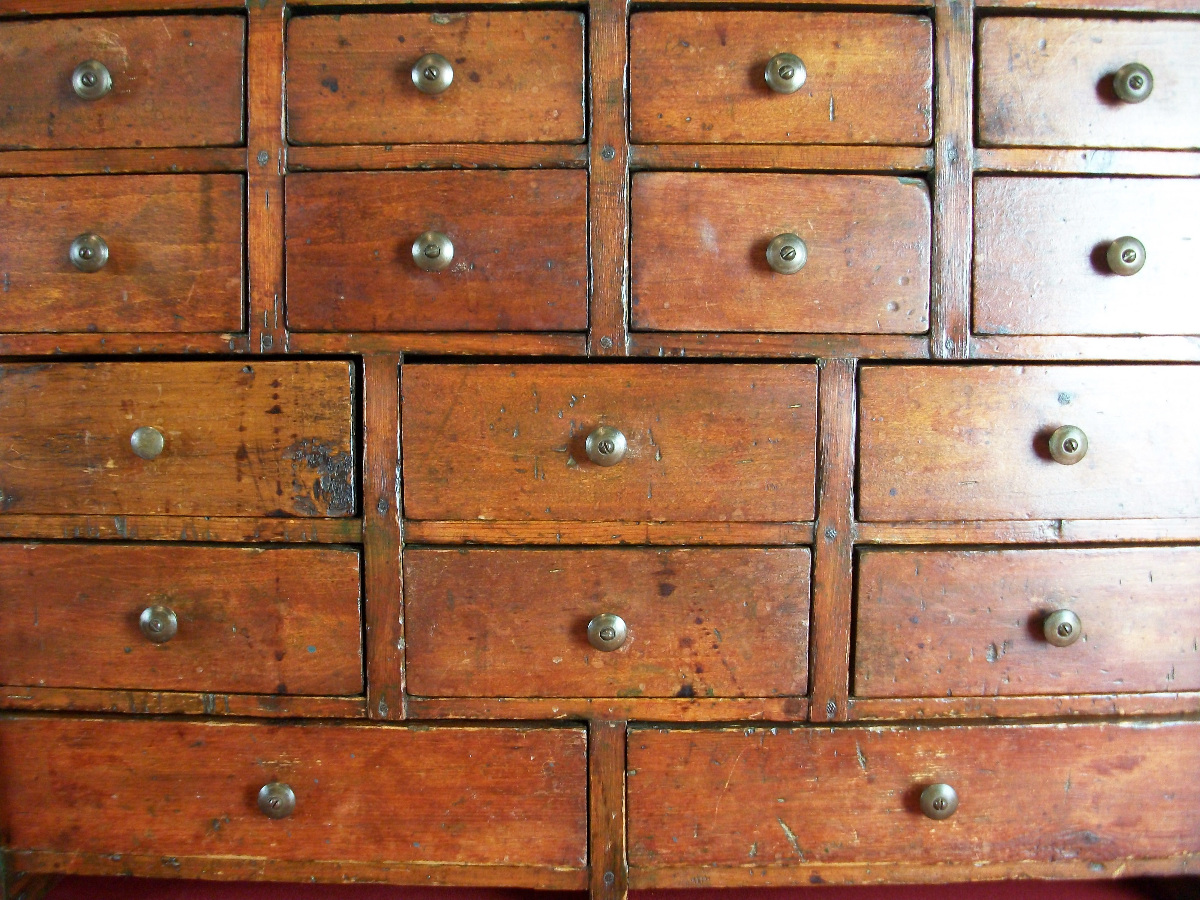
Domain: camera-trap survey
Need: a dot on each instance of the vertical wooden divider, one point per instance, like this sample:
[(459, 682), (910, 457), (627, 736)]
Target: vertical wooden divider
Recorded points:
[(608, 875)]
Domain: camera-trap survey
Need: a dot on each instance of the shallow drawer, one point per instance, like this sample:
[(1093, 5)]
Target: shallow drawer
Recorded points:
[(158, 253), (975, 442), (794, 797), (509, 251), (1086, 256), (701, 78), (790, 253), (934, 623), (502, 76), (688, 623), (1061, 83), (188, 618), (378, 794), (172, 81), (182, 438), (689, 443)]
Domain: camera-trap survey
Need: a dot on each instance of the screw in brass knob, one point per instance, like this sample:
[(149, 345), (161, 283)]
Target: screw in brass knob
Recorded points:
[(91, 80), (1133, 83), (158, 623), (88, 252), (1068, 445), (1126, 256), (787, 254), (433, 251), (606, 446), (607, 632), (147, 442), (1062, 628), (785, 73), (432, 73), (939, 801), (277, 800)]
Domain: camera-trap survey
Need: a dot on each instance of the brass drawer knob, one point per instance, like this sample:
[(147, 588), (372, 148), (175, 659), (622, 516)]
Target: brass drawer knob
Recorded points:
[(939, 801), (1133, 83), (91, 80), (606, 446), (432, 73), (787, 254), (433, 251), (785, 73), (607, 632), (158, 623), (147, 442), (277, 800), (88, 252), (1068, 445), (1126, 256), (1062, 628)]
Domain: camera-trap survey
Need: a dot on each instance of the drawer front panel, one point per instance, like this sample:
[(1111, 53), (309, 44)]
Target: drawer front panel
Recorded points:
[(1050, 83), (1042, 256), (704, 443), (973, 442), (515, 796), (517, 76), (276, 621), (699, 623), (934, 623), (172, 251), (701, 245), (518, 259), (700, 78), (777, 797), (176, 81), (271, 438)]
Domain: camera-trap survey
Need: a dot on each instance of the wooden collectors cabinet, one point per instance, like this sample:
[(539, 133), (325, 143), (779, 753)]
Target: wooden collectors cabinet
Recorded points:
[(593, 445)]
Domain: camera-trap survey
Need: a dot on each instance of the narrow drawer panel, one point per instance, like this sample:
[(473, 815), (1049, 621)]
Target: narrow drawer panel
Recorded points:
[(693, 623), (188, 618), (934, 623)]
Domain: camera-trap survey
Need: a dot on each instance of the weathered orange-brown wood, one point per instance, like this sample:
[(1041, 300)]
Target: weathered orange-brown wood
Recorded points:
[(122, 161), (182, 703), (1029, 531), (568, 533), (213, 529), (864, 709), (1088, 162), (608, 870), (59, 7), (176, 81), (436, 156), (457, 343), (698, 78), (517, 77), (650, 709), (1087, 348), (261, 439), (519, 251), (102, 344), (1149, 6), (701, 345), (782, 157), (504, 442)]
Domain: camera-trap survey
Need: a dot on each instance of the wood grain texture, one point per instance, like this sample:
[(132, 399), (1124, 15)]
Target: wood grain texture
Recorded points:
[(614, 533), (349, 241), (971, 443), (868, 709), (122, 161), (1048, 83), (504, 442), (60, 7), (781, 157), (101, 344), (1148, 6), (436, 156), (701, 345), (1087, 348), (1045, 531), (608, 870), (518, 77), (606, 709), (700, 260), (1088, 162), (175, 254), (182, 703), (698, 77), (211, 529), (248, 440), (177, 81), (457, 343)]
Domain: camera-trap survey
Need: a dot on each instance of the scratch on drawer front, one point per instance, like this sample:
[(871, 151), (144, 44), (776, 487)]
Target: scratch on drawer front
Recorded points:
[(791, 837)]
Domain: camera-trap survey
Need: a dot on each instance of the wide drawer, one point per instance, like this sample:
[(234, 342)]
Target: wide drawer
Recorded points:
[(701, 77), (157, 253), (975, 442), (1086, 256), (702, 443), (934, 623), (706, 253), (178, 438), (692, 623), (795, 797), (1053, 82), (172, 81), (190, 618), (502, 76), (516, 260), (509, 796)]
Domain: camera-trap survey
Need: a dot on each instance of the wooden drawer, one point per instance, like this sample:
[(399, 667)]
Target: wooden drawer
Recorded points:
[(277, 621), (237, 439), (972, 442), (176, 81), (509, 442), (350, 251), (934, 623), (1041, 256), (512, 796), (700, 78), (1028, 793), (699, 623), (517, 76), (1050, 82), (701, 244), (171, 247)]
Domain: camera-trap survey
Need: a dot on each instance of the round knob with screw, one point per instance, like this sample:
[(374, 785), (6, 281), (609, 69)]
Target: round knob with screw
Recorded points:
[(88, 252), (91, 80), (432, 74), (158, 624), (607, 632), (1062, 628), (785, 73), (606, 446), (1126, 256), (147, 442), (276, 800), (433, 251), (1133, 83), (939, 801), (787, 253), (1068, 445)]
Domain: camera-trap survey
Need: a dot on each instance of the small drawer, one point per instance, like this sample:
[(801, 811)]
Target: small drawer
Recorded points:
[(178, 438), (807, 796), (933, 623), (607, 623), (144, 81), (1086, 256), (1089, 83), (685, 443), (951, 443), (780, 78), (786, 253), (477, 77), (181, 618), (108, 253), (437, 251), (351, 793)]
